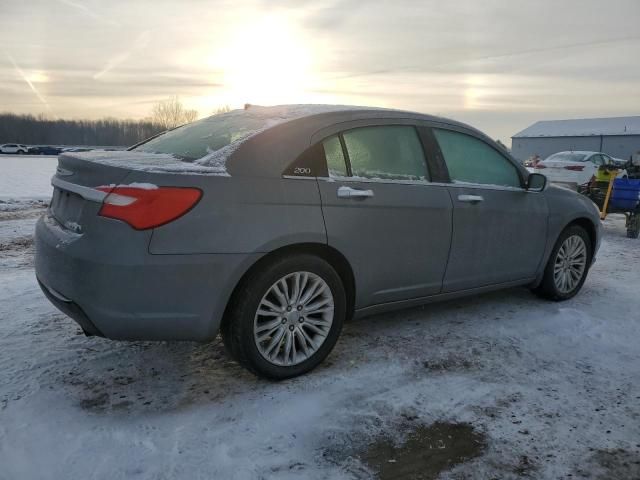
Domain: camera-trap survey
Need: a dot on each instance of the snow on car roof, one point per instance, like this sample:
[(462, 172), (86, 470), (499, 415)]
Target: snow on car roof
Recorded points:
[(583, 127), (270, 117), (253, 120)]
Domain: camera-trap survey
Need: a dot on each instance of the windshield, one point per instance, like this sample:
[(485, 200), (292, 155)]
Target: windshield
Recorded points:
[(568, 157)]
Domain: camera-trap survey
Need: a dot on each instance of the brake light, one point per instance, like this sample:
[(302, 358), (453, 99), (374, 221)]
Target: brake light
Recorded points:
[(147, 207), (574, 168), (539, 166)]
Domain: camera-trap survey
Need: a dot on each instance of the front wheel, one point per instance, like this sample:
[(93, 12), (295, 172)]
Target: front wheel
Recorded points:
[(568, 265), (286, 317)]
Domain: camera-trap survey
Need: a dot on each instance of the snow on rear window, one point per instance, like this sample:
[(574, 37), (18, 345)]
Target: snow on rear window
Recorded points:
[(209, 142)]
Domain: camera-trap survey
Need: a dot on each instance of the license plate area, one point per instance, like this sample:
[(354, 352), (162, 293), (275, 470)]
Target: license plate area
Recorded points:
[(66, 207)]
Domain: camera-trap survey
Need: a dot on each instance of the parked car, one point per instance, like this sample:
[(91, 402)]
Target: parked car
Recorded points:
[(305, 220), (574, 168), (14, 148), (44, 150), (76, 149)]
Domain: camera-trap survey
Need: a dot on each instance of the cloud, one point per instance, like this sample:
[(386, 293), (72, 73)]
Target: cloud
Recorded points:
[(541, 59), (28, 82), (139, 44), (89, 12)]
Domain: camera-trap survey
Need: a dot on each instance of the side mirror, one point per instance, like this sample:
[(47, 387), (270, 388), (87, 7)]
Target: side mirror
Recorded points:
[(536, 182)]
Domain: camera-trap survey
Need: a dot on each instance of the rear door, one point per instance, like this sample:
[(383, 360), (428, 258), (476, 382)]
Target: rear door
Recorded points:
[(384, 214), (499, 228)]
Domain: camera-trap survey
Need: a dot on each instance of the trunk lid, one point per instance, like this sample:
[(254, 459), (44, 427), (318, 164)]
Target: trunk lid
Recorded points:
[(74, 183), (76, 199)]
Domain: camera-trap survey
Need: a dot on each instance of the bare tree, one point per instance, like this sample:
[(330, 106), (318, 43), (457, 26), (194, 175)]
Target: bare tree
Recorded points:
[(44, 130), (170, 113), (222, 109)]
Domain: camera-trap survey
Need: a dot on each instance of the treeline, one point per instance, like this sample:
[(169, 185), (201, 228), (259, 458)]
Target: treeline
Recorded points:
[(40, 130)]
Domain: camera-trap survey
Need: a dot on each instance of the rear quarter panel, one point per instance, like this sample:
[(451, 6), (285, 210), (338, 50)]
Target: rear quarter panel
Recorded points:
[(239, 215)]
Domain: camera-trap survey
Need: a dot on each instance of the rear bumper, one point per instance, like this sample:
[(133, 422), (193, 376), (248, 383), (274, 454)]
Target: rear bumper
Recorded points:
[(122, 292), (71, 309)]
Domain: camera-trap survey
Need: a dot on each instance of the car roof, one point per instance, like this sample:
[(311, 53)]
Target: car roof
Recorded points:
[(269, 152)]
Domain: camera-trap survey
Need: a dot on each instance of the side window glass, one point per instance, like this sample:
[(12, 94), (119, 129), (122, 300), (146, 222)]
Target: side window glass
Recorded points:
[(391, 152), (335, 157), (470, 160)]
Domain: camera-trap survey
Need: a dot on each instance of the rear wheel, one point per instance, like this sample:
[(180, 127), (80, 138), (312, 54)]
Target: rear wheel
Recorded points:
[(568, 265), (286, 317)]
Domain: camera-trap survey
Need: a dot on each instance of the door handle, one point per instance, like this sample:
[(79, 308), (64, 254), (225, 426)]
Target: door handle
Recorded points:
[(470, 198), (348, 192)]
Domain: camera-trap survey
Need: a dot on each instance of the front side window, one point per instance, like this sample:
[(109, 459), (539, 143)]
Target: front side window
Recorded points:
[(391, 152), (470, 160)]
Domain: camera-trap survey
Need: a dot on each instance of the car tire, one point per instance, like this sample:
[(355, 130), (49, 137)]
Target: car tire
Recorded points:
[(20, 152), (299, 347), (633, 226), (571, 251)]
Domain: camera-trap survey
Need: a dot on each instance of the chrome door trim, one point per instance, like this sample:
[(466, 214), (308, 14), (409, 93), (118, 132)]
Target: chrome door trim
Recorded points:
[(419, 182)]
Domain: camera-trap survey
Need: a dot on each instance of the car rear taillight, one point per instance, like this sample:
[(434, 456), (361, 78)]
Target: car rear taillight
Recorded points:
[(574, 168), (539, 165), (149, 206)]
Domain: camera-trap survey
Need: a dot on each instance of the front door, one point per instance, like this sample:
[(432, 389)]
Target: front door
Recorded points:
[(499, 228), (383, 214)]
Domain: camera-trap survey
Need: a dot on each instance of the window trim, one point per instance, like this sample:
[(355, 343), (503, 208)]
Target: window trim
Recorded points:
[(345, 155), (472, 134)]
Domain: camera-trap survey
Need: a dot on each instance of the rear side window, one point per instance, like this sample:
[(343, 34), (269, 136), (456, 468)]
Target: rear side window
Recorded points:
[(334, 154), (391, 152), (470, 160)]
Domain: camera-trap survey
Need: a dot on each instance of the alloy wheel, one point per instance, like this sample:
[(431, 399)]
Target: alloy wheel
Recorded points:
[(293, 318), (570, 264)]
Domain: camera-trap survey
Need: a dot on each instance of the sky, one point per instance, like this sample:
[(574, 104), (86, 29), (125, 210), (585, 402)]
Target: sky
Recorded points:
[(499, 65)]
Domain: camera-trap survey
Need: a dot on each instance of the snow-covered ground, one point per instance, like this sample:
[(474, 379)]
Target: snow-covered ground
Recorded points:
[(26, 176), (503, 385)]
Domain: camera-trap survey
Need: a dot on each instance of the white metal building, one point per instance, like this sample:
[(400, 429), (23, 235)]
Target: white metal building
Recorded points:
[(618, 137)]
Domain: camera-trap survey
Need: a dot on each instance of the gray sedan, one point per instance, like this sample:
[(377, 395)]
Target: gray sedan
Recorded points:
[(274, 225)]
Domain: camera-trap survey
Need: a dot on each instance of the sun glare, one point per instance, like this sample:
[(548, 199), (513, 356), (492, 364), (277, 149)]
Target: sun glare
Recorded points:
[(37, 77), (265, 62)]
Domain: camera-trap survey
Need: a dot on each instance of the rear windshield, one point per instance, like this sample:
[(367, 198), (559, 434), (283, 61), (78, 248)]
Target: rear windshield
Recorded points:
[(568, 157), (198, 139), (195, 140)]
